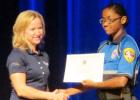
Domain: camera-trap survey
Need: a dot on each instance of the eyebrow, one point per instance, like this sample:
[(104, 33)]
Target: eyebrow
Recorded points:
[(106, 17)]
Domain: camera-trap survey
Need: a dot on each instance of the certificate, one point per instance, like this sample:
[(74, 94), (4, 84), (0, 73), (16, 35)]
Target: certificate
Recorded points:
[(81, 67)]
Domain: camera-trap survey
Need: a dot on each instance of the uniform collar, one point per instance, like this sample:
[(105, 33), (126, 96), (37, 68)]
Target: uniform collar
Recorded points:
[(110, 41)]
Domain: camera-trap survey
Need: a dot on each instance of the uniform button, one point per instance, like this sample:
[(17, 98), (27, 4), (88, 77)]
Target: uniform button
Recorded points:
[(43, 73), (38, 62), (41, 67)]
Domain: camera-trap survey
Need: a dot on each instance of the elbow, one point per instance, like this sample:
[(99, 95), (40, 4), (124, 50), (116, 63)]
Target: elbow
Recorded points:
[(122, 85), (24, 92), (20, 93), (123, 82)]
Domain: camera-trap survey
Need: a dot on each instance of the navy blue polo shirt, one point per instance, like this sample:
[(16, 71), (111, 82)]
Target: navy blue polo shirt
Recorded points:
[(35, 66)]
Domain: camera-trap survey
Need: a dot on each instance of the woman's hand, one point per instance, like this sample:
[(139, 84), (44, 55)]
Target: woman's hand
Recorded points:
[(60, 94)]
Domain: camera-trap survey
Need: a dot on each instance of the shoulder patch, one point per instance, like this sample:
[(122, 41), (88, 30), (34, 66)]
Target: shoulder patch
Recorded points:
[(129, 54)]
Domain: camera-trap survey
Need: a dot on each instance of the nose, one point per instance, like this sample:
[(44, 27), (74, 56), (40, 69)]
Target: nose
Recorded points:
[(37, 31), (105, 23)]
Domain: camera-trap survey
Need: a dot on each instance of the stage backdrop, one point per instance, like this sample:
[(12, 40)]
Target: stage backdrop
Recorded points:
[(85, 33), (73, 27)]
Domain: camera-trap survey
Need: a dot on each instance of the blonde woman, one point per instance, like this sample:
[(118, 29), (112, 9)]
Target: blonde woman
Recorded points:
[(27, 63)]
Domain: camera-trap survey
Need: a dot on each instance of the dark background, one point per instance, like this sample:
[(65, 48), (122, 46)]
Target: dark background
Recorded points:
[(54, 11), (8, 12)]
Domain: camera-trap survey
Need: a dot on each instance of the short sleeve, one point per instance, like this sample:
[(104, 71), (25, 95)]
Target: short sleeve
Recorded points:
[(128, 59), (15, 62)]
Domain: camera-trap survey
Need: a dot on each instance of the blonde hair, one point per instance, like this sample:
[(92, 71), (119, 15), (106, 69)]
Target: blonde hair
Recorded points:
[(22, 22)]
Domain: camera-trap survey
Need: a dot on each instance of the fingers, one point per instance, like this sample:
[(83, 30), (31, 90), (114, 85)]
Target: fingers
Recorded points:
[(56, 91), (88, 83), (85, 82), (60, 94), (62, 91)]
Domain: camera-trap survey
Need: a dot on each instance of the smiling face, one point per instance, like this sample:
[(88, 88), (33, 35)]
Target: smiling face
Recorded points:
[(112, 22), (34, 32)]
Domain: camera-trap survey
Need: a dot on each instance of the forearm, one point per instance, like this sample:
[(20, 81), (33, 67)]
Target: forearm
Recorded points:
[(117, 82), (76, 90), (32, 93), (72, 91)]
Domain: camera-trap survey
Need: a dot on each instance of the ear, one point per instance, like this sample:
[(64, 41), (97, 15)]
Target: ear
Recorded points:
[(124, 20)]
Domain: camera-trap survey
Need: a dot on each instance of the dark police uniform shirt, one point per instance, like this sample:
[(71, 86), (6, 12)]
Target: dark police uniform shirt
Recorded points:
[(35, 66)]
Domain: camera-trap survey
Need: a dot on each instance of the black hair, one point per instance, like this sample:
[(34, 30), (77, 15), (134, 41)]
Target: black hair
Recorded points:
[(119, 9)]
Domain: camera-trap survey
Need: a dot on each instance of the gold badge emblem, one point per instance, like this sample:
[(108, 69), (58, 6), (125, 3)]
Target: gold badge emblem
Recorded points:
[(129, 54)]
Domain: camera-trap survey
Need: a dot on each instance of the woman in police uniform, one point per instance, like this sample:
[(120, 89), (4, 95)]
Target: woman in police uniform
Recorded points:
[(121, 53), (27, 63)]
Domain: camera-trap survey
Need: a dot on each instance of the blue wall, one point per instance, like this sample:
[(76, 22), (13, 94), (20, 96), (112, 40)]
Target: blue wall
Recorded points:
[(85, 33)]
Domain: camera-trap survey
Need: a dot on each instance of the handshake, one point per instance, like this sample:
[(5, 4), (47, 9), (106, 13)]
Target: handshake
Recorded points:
[(60, 94), (63, 94)]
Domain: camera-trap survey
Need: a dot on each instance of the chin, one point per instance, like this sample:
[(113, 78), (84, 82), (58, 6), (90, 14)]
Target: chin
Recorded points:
[(36, 43), (109, 33)]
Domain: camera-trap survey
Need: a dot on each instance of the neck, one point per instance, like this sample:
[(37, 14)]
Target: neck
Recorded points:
[(33, 48), (118, 36)]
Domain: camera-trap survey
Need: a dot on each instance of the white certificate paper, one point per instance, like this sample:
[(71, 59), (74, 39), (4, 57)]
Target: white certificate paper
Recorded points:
[(81, 67)]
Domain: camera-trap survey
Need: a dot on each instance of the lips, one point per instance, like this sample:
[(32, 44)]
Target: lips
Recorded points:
[(106, 29), (38, 37)]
